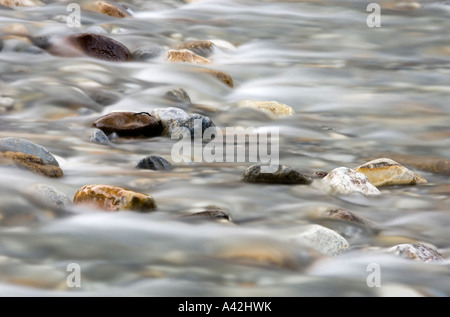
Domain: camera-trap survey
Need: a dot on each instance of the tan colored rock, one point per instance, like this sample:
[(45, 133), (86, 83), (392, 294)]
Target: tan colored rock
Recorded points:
[(387, 172), (20, 3), (220, 75), (113, 198), (32, 163), (202, 48), (16, 31), (106, 7), (186, 56), (432, 164), (272, 108)]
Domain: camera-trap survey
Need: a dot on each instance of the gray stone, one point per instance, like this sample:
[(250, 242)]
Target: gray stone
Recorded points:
[(98, 136), (324, 240), (50, 195), (178, 95), (283, 175), (346, 181), (154, 163), (146, 53), (196, 124), (417, 251), (27, 147), (168, 115)]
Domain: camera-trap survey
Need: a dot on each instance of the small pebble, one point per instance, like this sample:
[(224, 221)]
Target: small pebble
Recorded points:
[(168, 115), (112, 198), (179, 95), (49, 194), (154, 163), (345, 181), (129, 124), (196, 124), (32, 163), (417, 251), (147, 52), (323, 240), (186, 56), (202, 48), (98, 136), (272, 108), (283, 175), (20, 3), (220, 75)]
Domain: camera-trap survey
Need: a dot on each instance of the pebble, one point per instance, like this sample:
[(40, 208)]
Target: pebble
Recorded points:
[(201, 48), (106, 7), (386, 172), (324, 240), (210, 212), (417, 251), (49, 194), (6, 103), (178, 95), (98, 136), (147, 52), (129, 124), (100, 47), (168, 115), (345, 181), (24, 146), (432, 164), (153, 162), (195, 124), (32, 163), (112, 198), (345, 215), (272, 108), (283, 175), (220, 75), (20, 3), (186, 56)]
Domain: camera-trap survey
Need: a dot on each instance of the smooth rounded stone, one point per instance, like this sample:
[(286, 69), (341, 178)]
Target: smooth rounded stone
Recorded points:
[(146, 53), (100, 47), (283, 175), (108, 8), (324, 240), (272, 108), (103, 97), (16, 31), (196, 124), (98, 136), (21, 3), (342, 214), (210, 212), (155, 163), (168, 115), (129, 124), (186, 56), (178, 95), (202, 48), (417, 251), (432, 164), (113, 198), (24, 146), (32, 163), (345, 181), (386, 172), (220, 75), (49, 195), (6, 103)]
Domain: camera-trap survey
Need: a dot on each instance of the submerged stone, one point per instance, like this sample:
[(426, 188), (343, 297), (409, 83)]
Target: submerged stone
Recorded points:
[(129, 124), (345, 181), (32, 163), (283, 175), (417, 251), (153, 162), (24, 146), (324, 240)]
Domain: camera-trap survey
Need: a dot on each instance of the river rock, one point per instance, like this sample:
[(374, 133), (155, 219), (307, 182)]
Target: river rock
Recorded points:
[(386, 172), (186, 56), (49, 195), (108, 8), (220, 75), (6, 103), (417, 251), (210, 212), (129, 124), (146, 53), (342, 214), (283, 175), (272, 108), (168, 115), (32, 163), (112, 198), (153, 162), (179, 95), (24, 146), (197, 123), (100, 47), (202, 48), (99, 137), (20, 3), (345, 181), (324, 240), (432, 164)]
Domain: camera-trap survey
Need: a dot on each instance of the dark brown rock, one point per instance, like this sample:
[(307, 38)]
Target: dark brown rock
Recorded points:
[(129, 124), (113, 198), (283, 175), (153, 162), (100, 47), (32, 163)]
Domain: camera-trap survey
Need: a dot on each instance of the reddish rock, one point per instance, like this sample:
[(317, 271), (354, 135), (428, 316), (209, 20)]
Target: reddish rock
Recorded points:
[(32, 163), (129, 124)]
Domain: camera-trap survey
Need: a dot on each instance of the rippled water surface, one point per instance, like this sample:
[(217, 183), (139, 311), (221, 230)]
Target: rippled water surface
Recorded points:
[(357, 92)]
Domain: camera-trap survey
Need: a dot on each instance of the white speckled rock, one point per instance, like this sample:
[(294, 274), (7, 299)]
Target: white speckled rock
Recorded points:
[(168, 115), (345, 181), (50, 195), (186, 56), (20, 3), (386, 172), (272, 108), (324, 240), (417, 251)]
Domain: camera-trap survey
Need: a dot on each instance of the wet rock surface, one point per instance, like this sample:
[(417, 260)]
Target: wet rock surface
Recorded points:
[(272, 108), (417, 251), (202, 48), (194, 127), (24, 146), (345, 181), (154, 162), (49, 195), (186, 56), (129, 124), (113, 198), (30, 162), (98, 136), (386, 172), (323, 240), (282, 175)]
